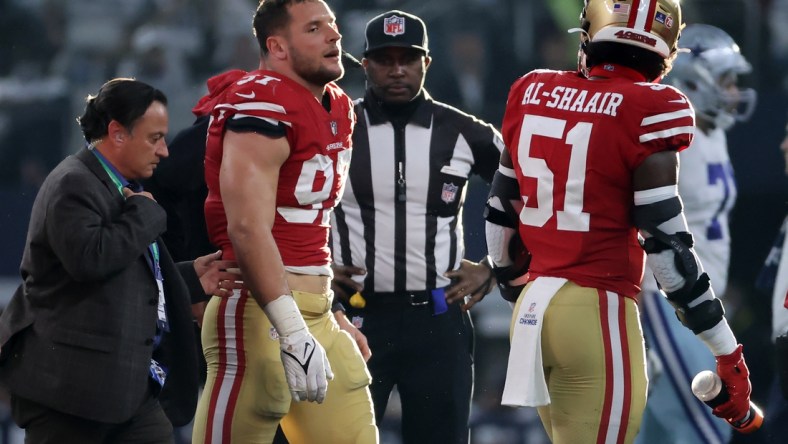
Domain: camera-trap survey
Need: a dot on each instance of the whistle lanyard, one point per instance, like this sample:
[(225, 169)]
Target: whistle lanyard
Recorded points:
[(153, 258)]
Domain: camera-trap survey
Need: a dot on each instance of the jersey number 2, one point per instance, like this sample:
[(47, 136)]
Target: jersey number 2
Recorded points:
[(572, 217)]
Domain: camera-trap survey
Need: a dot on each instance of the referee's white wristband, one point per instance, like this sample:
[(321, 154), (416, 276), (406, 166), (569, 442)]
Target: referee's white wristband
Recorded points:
[(284, 315)]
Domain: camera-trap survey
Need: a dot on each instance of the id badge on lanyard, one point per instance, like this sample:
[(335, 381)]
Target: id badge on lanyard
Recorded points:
[(153, 248), (161, 321)]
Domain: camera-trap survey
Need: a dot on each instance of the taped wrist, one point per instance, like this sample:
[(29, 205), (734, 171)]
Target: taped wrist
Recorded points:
[(285, 316), (719, 338)]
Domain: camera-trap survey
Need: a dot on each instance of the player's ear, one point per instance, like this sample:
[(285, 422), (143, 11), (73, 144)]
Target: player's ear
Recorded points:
[(277, 47)]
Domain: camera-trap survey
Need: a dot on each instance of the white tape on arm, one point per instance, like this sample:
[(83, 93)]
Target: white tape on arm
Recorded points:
[(284, 315)]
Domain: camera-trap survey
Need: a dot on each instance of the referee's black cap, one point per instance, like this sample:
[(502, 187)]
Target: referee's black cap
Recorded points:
[(395, 29)]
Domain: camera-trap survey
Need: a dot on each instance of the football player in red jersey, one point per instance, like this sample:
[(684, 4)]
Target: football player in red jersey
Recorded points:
[(276, 161), (591, 164)]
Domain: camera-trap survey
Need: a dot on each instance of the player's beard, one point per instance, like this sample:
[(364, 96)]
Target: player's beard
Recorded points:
[(319, 75)]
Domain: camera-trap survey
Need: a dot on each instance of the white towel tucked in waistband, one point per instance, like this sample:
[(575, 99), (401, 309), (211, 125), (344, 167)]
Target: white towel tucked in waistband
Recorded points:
[(525, 383)]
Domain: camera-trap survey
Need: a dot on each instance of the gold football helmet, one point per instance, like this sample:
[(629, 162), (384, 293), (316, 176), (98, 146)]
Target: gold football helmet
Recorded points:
[(651, 24)]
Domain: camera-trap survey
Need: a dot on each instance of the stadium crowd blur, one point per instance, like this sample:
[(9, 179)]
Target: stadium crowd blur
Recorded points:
[(53, 52)]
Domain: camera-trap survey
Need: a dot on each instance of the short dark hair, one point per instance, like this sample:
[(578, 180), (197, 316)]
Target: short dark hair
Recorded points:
[(646, 62), (272, 16), (123, 100)]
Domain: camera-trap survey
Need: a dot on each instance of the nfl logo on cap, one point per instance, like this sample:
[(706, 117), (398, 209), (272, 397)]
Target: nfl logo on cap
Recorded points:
[(395, 29), (394, 25)]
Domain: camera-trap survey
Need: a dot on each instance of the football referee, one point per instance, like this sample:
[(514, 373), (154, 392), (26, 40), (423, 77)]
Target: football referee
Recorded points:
[(397, 235)]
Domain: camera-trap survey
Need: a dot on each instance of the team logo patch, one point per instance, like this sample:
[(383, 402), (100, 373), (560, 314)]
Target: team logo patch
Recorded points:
[(334, 127), (394, 25), (273, 334), (449, 192), (669, 22), (357, 321)]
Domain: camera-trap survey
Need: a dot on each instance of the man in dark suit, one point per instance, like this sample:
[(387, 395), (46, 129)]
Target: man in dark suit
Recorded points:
[(102, 319)]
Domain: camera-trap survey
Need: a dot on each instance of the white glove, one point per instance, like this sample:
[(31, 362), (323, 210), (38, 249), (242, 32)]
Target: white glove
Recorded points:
[(306, 366)]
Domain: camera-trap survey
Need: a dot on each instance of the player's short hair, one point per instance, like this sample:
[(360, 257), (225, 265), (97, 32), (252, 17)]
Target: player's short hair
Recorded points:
[(272, 16), (124, 100)]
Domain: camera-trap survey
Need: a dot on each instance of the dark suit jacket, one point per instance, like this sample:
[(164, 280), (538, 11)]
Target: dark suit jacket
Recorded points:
[(77, 335)]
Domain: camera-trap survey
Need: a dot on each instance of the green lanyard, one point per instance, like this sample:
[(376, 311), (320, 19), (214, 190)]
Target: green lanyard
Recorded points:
[(154, 247), (153, 263)]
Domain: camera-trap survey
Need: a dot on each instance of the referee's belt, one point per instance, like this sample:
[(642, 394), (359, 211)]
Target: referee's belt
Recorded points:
[(416, 298)]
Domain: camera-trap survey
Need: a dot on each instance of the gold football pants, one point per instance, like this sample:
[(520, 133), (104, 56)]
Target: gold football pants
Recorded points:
[(246, 394), (595, 366)]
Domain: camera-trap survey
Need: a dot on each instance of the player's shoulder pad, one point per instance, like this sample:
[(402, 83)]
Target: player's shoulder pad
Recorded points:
[(264, 87), (666, 117), (662, 97)]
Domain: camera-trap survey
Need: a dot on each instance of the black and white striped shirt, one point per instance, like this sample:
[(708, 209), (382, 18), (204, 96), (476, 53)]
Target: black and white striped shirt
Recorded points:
[(401, 214)]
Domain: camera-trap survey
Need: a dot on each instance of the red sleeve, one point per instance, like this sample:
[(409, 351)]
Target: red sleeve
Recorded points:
[(259, 96), (665, 121)]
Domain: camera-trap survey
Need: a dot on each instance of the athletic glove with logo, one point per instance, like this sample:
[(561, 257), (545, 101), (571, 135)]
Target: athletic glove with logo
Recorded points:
[(306, 366), (734, 374)]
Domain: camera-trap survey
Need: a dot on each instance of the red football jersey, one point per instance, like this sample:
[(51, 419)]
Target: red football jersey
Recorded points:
[(311, 180), (575, 144)]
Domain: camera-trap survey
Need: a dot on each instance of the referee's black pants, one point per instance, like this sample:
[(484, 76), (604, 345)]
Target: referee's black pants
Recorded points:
[(430, 360)]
